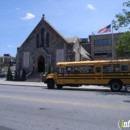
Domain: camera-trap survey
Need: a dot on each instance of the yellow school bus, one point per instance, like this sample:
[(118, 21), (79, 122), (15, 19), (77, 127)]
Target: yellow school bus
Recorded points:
[(113, 73)]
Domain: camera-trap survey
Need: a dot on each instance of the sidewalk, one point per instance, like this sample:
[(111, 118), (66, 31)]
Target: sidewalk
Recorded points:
[(19, 83), (42, 84)]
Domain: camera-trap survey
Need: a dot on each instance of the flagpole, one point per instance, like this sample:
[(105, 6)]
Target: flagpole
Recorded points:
[(112, 43)]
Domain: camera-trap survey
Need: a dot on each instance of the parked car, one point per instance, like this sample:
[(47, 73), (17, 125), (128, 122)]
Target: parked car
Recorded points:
[(2, 75)]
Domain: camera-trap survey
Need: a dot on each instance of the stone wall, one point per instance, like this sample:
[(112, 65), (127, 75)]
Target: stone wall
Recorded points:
[(55, 42)]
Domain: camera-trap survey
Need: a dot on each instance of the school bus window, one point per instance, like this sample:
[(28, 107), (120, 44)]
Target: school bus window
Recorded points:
[(69, 69), (83, 69), (76, 69), (116, 68), (107, 68), (60, 70), (124, 67), (98, 69), (90, 68)]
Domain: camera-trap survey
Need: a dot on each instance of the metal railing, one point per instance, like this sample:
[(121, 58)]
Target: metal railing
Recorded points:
[(28, 75), (42, 76)]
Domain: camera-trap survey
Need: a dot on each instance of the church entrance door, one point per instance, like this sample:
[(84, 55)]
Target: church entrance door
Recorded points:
[(41, 64)]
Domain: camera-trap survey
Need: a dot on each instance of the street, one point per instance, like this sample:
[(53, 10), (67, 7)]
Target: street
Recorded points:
[(38, 108)]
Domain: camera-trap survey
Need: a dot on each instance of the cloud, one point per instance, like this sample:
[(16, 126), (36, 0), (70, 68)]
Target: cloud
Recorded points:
[(61, 13), (28, 16), (89, 6), (17, 8), (11, 46)]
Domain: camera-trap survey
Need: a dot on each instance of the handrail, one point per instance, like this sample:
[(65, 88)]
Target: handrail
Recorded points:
[(41, 74), (27, 75)]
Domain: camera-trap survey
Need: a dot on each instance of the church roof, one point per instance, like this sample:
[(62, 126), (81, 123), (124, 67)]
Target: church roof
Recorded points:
[(68, 40), (55, 29)]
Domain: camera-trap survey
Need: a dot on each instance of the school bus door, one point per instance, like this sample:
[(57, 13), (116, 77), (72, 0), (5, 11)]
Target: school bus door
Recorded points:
[(98, 74)]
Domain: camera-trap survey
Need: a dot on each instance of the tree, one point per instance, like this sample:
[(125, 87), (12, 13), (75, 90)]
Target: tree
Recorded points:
[(123, 19), (123, 45), (9, 74)]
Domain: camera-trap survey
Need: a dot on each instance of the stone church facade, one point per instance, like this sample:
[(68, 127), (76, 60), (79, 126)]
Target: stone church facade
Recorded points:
[(44, 46)]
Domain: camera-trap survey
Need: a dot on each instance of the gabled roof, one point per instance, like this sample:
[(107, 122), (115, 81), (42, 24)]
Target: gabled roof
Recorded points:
[(55, 30), (65, 39), (68, 40), (29, 35)]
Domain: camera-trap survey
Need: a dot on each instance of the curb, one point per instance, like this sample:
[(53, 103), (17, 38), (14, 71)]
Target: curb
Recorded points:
[(21, 85), (89, 88)]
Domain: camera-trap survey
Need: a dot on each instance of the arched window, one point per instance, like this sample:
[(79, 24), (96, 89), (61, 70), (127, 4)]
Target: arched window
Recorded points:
[(47, 39), (37, 41), (42, 37)]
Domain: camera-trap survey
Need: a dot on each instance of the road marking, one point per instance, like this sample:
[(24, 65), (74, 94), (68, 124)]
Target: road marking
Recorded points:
[(68, 103)]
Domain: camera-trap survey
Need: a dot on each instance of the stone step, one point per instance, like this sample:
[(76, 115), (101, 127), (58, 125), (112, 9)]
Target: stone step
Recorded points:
[(34, 78)]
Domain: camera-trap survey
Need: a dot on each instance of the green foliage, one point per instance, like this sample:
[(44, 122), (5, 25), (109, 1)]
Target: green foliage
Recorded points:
[(49, 69), (123, 19), (123, 45), (9, 74), (23, 75)]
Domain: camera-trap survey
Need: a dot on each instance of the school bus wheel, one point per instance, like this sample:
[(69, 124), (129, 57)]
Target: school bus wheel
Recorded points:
[(59, 86), (116, 86), (50, 84)]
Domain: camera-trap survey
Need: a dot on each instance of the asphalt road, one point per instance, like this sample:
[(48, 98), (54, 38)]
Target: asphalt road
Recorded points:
[(37, 108)]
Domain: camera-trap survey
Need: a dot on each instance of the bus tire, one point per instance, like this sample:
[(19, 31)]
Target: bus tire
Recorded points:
[(59, 86), (50, 84), (116, 86)]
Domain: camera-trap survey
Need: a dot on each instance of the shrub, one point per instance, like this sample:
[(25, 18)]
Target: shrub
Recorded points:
[(9, 74)]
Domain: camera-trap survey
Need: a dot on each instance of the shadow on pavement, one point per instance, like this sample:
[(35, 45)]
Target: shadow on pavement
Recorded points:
[(127, 101), (122, 92), (104, 91)]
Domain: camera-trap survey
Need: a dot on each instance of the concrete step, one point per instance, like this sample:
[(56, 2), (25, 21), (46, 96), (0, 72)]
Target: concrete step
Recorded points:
[(34, 78)]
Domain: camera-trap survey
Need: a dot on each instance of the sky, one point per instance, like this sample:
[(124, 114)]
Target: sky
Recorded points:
[(69, 17)]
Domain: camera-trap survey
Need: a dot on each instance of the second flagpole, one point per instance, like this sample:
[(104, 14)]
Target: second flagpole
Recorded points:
[(113, 51)]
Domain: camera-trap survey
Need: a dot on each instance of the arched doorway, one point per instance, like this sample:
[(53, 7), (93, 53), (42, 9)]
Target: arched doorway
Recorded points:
[(41, 64)]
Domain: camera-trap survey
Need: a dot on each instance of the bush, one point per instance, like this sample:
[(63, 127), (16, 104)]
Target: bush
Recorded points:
[(9, 74)]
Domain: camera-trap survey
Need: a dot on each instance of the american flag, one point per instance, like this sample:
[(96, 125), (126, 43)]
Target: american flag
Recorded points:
[(105, 29)]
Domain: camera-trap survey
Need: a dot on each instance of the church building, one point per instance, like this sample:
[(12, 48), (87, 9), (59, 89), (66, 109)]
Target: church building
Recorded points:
[(46, 46)]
